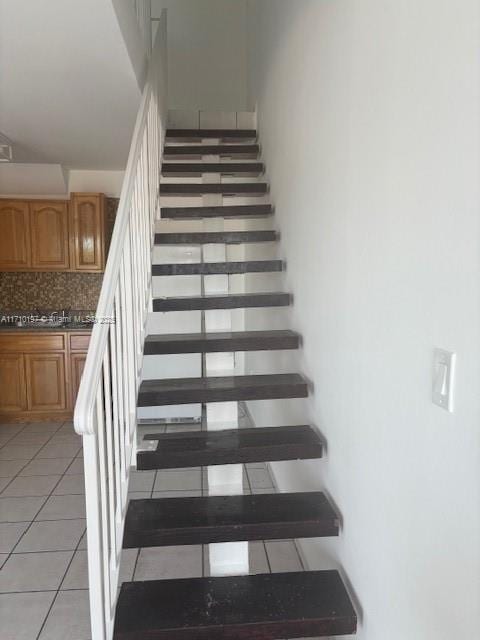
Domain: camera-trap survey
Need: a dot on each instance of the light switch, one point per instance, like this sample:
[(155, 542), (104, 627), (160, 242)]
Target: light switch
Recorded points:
[(443, 379)]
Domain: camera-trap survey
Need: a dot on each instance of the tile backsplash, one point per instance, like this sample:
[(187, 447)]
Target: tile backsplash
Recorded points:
[(29, 290)]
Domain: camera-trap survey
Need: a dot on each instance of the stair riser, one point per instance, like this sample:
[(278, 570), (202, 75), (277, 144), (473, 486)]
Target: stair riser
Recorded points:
[(213, 189), (235, 533), (204, 134), (273, 631), (227, 151), (220, 268), (228, 302), (151, 399), (227, 211), (194, 170), (149, 461), (220, 346), (226, 237)]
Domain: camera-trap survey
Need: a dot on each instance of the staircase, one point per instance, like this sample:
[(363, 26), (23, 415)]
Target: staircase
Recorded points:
[(262, 607)]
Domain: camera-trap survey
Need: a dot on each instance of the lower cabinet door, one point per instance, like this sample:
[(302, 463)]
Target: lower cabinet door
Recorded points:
[(77, 364), (13, 396), (46, 383)]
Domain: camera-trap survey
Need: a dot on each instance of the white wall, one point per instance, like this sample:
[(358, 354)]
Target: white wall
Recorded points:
[(369, 119), (53, 181), (132, 35), (68, 93), (207, 56), (107, 182)]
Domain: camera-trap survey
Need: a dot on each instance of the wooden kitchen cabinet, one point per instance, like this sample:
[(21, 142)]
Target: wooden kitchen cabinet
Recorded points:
[(78, 355), (54, 235), (46, 382), (49, 236), (88, 231), (13, 392), (40, 373), (77, 363), (15, 242)]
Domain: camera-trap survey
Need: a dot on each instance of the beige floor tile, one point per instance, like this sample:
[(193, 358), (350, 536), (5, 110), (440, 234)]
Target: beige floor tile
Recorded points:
[(169, 562), (10, 534), (14, 624), (46, 467), (19, 509), (69, 618), (34, 571), (23, 486), (10, 468), (52, 535), (63, 507)]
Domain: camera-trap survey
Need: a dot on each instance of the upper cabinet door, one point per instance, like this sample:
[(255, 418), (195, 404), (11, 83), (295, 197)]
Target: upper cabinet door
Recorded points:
[(49, 224), (15, 248), (88, 232)]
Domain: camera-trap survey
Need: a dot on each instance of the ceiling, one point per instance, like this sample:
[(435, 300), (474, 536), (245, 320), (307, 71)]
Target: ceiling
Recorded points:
[(68, 92)]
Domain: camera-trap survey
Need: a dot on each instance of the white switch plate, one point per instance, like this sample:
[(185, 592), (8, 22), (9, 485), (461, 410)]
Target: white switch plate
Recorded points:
[(443, 379)]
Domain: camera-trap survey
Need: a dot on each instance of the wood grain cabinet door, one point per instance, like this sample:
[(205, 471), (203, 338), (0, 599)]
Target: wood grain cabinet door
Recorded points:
[(46, 383), (88, 232), (77, 362), (49, 227), (15, 248), (13, 396)]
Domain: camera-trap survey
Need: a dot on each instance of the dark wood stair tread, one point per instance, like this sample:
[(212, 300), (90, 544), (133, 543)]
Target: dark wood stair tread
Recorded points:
[(224, 188), (222, 211), (254, 607), (223, 301), (203, 134), (159, 522), (225, 341), (211, 150), (163, 392), (182, 169), (231, 446), (213, 237), (209, 268)]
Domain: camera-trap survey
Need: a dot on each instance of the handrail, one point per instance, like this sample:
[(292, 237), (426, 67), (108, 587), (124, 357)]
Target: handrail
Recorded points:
[(105, 411), (143, 10)]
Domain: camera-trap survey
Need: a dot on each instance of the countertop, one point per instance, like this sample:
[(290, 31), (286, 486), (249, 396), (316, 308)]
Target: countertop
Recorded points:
[(72, 326)]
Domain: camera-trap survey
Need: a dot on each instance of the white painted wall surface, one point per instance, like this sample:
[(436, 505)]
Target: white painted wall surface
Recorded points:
[(107, 182), (132, 35), (369, 120), (207, 53), (26, 179), (68, 92)]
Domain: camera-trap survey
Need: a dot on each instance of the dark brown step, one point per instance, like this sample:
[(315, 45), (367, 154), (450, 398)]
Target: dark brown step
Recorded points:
[(231, 446), (156, 393), (226, 211), (215, 237), (190, 169), (227, 341), (223, 150), (215, 268), (218, 134), (204, 189), (160, 522), (220, 301), (257, 607)]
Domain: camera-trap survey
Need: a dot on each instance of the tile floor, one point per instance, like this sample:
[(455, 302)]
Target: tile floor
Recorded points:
[(43, 559)]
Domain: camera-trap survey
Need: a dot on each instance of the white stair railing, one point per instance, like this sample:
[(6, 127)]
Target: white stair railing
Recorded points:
[(105, 412), (143, 10)]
